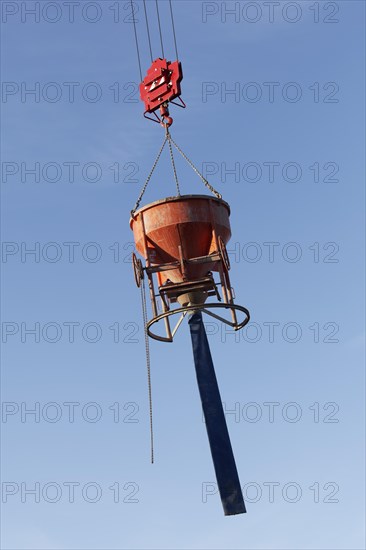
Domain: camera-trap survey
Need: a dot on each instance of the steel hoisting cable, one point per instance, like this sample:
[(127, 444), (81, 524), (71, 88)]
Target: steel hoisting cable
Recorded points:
[(148, 367), (172, 18), (169, 137), (161, 36), (148, 31), (137, 44)]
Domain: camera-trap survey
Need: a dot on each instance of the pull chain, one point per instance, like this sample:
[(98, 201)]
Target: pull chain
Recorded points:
[(148, 366)]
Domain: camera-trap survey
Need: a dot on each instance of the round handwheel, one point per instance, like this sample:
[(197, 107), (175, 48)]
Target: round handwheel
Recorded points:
[(137, 269), (223, 253)]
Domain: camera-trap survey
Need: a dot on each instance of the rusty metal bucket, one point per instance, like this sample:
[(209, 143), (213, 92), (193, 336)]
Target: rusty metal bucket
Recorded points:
[(180, 229), (183, 241)]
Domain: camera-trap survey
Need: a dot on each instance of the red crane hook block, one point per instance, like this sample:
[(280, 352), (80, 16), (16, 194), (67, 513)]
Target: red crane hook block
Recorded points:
[(160, 86)]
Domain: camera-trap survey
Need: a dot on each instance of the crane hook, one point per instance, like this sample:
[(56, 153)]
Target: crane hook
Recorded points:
[(166, 120)]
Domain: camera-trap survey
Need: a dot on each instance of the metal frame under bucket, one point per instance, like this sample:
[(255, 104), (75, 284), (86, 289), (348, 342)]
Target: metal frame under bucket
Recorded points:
[(190, 295)]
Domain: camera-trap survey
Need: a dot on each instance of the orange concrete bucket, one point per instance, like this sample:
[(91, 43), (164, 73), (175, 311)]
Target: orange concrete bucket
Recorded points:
[(177, 228)]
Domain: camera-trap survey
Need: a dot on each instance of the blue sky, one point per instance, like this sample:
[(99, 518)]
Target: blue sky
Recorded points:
[(297, 254)]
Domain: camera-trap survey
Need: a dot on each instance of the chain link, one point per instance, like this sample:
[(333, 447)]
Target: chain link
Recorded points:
[(148, 365), (208, 185)]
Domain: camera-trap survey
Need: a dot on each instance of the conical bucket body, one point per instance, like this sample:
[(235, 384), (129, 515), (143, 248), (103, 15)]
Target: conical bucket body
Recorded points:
[(181, 227)]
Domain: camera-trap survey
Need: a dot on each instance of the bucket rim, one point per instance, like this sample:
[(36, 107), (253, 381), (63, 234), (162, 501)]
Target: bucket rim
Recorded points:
[(177, 199)]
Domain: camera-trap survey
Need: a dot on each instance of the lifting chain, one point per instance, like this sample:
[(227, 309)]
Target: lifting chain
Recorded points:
[(168, 138), (147, 349), (208, 185)]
